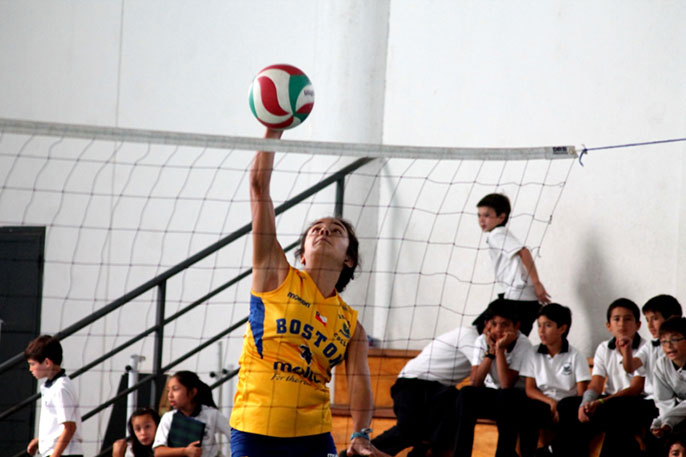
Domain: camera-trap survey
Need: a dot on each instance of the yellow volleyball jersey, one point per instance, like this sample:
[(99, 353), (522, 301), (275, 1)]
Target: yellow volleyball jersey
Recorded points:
[(295, 337)]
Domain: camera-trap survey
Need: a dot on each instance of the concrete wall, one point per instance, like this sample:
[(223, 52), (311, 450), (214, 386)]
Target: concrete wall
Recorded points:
[(433, 73)]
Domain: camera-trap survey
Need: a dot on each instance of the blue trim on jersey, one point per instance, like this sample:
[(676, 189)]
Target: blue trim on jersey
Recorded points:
[(256, 320), (251, 444)]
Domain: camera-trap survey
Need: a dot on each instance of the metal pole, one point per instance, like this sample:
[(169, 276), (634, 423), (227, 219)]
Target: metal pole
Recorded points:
[(158, 385), (340, 194), (132, 398)]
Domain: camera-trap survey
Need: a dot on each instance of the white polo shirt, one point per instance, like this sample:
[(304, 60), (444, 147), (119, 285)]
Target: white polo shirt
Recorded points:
[(670, 392), (515, 355), (648, 354), (608, 364), (556, 377), (446, 359), (214, 422), (510, 273), (59, 404)]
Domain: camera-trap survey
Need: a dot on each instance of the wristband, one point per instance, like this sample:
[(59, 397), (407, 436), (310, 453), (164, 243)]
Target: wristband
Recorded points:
[(364, 433), (488, 355), (601, 401)]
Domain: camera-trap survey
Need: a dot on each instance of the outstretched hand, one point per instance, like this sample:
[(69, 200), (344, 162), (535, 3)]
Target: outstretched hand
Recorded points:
[(541, 294), (361, 447), (273, 134)]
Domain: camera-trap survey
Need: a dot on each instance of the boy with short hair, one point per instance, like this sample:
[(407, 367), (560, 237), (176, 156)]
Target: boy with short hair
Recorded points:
[(670, 374), (515, 270), (496, 390), (656, 311), (554, 371), (614, 401), (424, 396), (59, 431)]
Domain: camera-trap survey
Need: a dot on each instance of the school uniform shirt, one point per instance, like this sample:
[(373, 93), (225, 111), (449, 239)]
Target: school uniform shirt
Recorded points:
[(59, 404), (556, 377), (447, 359), (607, 363), (515, 355), (295, 337), (669, 393), (648, 354), (510, 273), (214, 422)]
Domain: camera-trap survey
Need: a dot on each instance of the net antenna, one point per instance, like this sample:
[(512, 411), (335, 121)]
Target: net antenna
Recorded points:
[(122, 206)]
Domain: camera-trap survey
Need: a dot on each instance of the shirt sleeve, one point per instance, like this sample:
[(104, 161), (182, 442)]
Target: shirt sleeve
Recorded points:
[(581, 371), (479, 350), (520, 354), (599, 362), (528, 369), (163, 430), (66, 406), (505, 242), (643, 354), (223, 425)]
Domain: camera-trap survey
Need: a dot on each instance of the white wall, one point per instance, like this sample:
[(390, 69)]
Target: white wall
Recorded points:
[(466, 73)]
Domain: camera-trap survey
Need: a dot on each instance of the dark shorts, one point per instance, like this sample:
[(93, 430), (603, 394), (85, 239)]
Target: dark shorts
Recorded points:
[(252, 445)]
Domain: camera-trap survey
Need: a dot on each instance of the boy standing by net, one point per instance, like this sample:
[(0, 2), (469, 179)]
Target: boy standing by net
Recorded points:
[(515, 270), (59, 433)]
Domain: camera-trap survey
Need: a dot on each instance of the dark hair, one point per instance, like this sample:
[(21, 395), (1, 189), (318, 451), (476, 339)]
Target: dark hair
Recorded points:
[(559, 314), (624, 303), (44, 347), (500, 204), (203, 395), (502, 307), (348, 273), (673, 325), (666, 305), (140, 450)]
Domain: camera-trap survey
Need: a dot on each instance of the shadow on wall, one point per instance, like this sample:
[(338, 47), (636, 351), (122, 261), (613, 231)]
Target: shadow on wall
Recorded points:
[(596, 289)]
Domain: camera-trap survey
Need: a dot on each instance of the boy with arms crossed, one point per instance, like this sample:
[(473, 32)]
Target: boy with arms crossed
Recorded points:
[(670, 379), (59, 431), (515, 270), (554, 371), (496, 390)]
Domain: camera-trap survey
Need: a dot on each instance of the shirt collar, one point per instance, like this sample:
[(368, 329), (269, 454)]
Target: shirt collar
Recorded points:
[(655, 343), (51, 381), (543, 349), (612, 344)]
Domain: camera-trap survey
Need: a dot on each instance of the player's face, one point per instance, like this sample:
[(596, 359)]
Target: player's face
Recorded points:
[(144, 428), (40, 370), (674, 345), (179, 396), (500, 326), (488, 220), (622, 323), (327, 237), (549, 332), (677, 450), (654, 321)]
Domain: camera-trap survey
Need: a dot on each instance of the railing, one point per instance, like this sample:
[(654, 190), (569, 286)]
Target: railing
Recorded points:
[(160, 282)]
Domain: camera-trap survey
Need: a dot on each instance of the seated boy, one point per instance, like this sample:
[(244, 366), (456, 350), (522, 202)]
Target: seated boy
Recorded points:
[(515, 270), (554, 371), (670, 377), (496, 390), (59, 430), (656, 310), (424, 396), (613, 402)]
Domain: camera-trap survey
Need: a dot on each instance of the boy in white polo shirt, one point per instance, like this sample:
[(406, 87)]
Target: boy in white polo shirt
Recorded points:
[(496, 391), (670, 379), (515, 270), (554, 371), (424, 396), (656, 310), (614, 401), (59, 431)]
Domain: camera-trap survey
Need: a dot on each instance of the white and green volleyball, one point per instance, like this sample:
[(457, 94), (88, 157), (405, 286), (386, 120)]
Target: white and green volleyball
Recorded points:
[(281, 96)]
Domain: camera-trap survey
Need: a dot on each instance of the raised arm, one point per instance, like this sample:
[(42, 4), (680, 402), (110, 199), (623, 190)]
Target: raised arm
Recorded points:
[(270, 266)]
